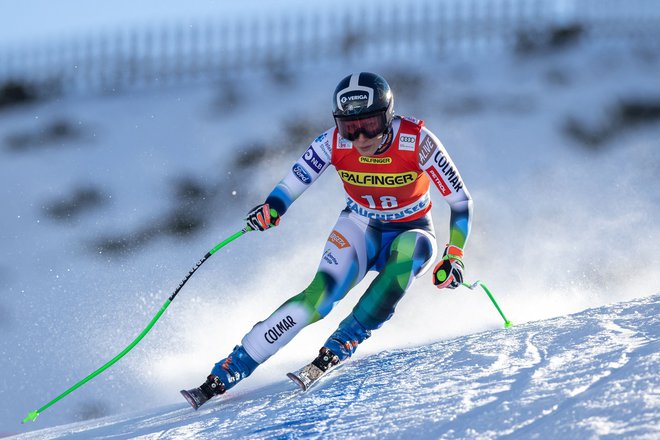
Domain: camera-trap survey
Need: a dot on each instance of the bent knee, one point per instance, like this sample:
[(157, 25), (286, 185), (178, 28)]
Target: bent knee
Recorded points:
[(317, 297), (416, 246)]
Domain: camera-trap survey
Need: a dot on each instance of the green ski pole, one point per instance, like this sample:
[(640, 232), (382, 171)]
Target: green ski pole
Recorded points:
[(474, 285), (32, 416)]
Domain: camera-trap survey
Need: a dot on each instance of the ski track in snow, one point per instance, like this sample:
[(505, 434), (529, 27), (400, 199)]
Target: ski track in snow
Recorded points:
[(589, 375)]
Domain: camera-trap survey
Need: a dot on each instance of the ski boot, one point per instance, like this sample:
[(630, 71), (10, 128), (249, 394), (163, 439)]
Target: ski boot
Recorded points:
[(226, 373), (196, 397), (345, 340)]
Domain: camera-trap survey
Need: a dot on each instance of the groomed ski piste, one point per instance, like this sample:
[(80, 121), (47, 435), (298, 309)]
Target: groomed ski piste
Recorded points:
[(565, 235), (593, 374)]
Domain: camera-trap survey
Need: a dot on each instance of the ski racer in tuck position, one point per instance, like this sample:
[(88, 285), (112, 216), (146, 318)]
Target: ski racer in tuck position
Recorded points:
[(386, 163)]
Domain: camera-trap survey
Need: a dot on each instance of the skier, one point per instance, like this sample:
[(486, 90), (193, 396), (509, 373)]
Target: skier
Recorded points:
[(386, 163)]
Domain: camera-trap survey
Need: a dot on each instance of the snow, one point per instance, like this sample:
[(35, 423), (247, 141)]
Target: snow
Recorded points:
[(559, 228), (588, 375)]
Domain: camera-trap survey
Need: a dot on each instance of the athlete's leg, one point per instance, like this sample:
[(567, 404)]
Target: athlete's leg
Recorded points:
[(343, 265), (409, 256)]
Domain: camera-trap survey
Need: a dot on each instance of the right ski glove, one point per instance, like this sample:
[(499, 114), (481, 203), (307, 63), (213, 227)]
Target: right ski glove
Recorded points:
[(449, 271), (262, 217)]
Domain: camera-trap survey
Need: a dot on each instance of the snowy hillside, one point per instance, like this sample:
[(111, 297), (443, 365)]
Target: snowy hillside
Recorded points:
[(108, 201), (588, 375)]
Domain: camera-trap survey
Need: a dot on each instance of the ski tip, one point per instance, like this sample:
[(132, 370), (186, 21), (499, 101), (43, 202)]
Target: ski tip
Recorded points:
[(31, 417), (189, 399), (297, 381)]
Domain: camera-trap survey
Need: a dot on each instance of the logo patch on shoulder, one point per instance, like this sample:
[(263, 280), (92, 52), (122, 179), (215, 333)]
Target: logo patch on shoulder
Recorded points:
[(407, 142), (426, 149), (326, 148), (313, 160), (413, 120)]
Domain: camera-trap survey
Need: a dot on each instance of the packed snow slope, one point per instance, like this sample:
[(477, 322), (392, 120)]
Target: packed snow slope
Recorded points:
[(588, 375)]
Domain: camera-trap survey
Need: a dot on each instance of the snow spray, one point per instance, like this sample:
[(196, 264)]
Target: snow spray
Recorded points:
[(32, 416)]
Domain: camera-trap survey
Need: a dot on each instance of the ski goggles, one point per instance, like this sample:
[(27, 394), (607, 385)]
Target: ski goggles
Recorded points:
[(371, 126)]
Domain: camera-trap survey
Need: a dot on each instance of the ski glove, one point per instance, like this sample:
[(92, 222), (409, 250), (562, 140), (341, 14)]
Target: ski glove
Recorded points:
[(449, 271), (262, 217)]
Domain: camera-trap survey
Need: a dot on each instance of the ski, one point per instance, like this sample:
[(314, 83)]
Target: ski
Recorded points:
[(311, 373), (306, 376), (195, 397)]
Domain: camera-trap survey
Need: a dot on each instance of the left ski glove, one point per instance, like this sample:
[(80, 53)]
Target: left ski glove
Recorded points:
[(262, 217), (449, 271)]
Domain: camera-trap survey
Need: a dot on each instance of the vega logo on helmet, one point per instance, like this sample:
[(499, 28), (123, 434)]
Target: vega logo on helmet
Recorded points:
[(346, 98), (354, 100)]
